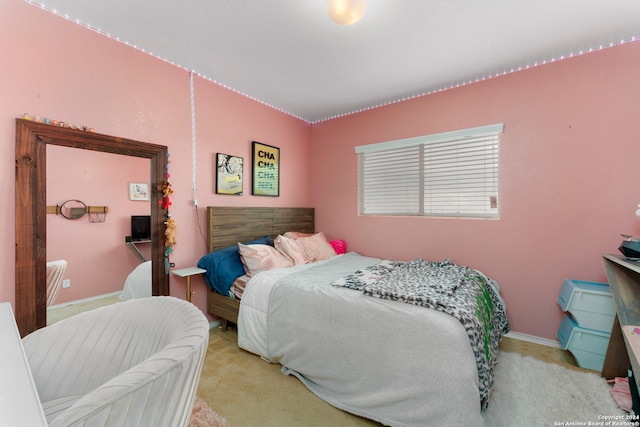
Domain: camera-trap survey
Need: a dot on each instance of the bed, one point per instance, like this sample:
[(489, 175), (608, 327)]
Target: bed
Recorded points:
[(396, 363), (226, 226)]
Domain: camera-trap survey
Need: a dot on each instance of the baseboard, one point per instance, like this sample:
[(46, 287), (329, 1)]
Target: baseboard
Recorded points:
[(533, 339), (80, 301)]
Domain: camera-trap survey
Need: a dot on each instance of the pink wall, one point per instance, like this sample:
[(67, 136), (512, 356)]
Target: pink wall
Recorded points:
[(569, 178), (54, 68), (98, 261), (569, 155)]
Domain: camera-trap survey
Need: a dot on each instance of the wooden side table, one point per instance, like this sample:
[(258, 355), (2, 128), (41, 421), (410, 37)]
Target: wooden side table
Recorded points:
[(188, 272)]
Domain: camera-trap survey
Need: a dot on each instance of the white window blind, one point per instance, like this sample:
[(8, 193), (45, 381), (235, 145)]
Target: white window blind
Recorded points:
[(448, 174)]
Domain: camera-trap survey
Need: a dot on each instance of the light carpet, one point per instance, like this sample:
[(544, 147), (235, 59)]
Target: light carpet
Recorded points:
[(529, 392)]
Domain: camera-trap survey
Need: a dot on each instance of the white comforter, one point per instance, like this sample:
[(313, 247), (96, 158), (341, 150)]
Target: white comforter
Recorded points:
[(395, 363)]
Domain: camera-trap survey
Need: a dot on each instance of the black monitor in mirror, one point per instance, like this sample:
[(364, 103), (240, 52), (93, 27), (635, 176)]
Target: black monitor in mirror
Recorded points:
[(140, 227)]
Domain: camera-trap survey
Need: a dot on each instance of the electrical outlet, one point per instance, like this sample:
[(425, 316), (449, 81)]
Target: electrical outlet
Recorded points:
[(66, 283)]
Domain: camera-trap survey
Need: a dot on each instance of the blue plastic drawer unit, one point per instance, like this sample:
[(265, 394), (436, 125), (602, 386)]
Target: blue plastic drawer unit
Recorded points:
[(590, 304), (588, 346)]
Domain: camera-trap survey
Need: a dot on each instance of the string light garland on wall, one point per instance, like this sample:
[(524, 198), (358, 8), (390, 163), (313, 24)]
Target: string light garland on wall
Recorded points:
[(371, 107), (480, 79), (193, 140)]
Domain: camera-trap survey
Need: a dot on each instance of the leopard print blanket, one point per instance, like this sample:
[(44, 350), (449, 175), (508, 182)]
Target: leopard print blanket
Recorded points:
[(464, 293)]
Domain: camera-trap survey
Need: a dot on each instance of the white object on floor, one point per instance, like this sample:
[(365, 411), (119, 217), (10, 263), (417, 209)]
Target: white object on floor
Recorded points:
[(530, 392), (19, 402), (138, 282)]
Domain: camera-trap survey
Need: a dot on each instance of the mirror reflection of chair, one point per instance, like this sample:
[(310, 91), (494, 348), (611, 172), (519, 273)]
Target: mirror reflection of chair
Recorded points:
[(55, 275)]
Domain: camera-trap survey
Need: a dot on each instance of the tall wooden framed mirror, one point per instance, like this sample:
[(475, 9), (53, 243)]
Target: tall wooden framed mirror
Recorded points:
[(31, 227)]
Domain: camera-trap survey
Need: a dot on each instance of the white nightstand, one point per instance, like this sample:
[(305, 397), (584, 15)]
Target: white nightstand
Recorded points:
[(188, 272)]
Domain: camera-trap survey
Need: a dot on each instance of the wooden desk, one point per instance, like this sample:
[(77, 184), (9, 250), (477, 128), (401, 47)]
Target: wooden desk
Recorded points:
[(19, 402), (188, 272), (624, 282)]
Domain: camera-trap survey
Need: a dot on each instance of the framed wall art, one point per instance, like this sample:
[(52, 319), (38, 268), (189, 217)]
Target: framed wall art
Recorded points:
[(138, 191), (266, 170), (229, 174)]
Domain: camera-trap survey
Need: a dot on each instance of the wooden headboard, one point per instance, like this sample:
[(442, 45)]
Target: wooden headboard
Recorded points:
[(230, 225)]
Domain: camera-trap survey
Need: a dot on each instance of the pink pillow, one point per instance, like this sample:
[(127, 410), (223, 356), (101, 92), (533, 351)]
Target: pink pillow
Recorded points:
[(291, 249), (257, 258), (317, 247), (340, 246)]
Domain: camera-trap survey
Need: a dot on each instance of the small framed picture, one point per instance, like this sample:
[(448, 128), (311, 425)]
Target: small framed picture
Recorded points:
[(138, 191), (266, 170), (229, 171)]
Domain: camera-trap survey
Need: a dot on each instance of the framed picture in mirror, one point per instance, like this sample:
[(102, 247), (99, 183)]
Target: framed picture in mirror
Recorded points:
[(138, 191)]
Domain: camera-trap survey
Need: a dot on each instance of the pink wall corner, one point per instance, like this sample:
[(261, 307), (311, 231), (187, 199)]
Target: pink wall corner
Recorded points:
[(568, 178), (90, 79), (228, 123)]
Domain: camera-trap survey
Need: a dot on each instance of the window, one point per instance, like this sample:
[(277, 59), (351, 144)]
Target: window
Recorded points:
[(452, 174)]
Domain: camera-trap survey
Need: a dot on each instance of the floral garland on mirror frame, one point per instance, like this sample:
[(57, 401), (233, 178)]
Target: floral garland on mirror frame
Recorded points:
[(170, 231)]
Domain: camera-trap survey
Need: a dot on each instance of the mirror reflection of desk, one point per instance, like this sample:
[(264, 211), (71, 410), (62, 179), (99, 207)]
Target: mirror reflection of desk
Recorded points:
[(133, 245)]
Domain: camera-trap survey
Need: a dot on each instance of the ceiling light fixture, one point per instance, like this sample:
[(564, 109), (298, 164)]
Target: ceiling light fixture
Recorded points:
[(346, 12)]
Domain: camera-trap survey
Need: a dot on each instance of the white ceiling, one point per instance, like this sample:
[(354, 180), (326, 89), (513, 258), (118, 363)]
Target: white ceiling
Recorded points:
[(288, 53)]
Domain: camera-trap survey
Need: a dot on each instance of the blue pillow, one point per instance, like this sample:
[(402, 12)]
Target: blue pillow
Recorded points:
[(225, 266)]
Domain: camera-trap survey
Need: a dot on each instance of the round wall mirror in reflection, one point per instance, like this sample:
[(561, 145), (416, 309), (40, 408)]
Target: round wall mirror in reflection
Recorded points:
[(73, 209)]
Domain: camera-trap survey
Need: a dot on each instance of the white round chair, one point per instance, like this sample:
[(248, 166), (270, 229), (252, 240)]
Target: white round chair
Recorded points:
[(133, 363)]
